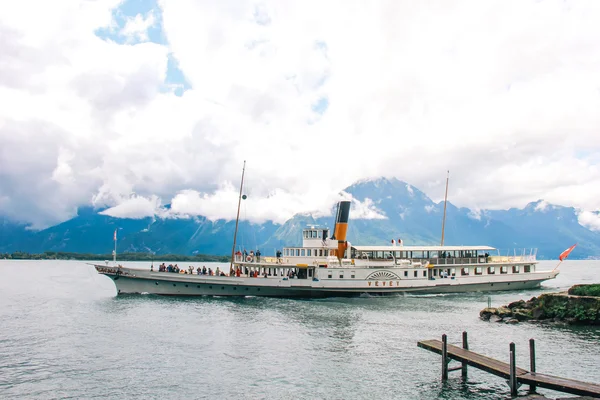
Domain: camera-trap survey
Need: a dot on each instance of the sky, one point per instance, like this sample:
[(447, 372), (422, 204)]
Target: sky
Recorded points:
[(136, 104)]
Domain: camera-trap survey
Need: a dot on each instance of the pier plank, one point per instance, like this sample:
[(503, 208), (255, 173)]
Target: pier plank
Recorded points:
[(502, 369)]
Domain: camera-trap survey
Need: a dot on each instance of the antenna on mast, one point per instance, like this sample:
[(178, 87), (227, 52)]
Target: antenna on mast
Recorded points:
[(445, 201), (237, 219)]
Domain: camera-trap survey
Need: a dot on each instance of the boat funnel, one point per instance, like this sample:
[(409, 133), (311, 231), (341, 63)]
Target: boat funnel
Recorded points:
[(341, 227)]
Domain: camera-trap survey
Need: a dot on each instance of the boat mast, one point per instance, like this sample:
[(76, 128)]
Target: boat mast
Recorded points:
[(237, 219), (115, 250), (445, 201)]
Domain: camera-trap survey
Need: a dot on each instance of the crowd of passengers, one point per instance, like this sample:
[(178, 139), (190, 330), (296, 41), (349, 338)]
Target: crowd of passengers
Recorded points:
[(208, 271), (190, 270)]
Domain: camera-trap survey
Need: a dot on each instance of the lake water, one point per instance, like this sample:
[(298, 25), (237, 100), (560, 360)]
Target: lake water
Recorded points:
[(65, 334)]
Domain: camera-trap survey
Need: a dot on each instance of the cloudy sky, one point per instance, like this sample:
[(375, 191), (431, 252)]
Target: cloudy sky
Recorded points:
[(139, 103)]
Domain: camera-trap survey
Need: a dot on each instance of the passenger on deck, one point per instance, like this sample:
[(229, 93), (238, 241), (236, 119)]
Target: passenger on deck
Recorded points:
[(204, 272), (199, 271), (218, 272), (278, 256), (237, 272), (257, 255)]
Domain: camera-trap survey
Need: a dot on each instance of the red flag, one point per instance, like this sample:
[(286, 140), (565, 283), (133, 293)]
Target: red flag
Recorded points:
[(565, 254), (115, 236)]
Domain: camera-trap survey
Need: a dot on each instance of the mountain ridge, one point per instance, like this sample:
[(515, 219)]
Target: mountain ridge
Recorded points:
[(395, 209)]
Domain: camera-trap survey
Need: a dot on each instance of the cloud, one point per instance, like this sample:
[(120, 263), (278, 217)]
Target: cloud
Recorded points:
[(590, 219), (136, 207), (312, 100), (136, 28), (366, 210)]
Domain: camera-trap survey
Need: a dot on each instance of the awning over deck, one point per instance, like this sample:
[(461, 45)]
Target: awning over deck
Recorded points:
[(423, 248)]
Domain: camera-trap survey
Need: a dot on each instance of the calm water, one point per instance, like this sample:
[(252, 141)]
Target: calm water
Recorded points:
[(65, 334)]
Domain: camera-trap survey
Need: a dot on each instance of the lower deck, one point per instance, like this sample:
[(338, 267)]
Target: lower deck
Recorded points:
[(383, 282)]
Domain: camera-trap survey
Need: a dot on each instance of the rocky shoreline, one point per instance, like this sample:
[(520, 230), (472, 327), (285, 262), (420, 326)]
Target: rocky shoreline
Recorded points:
[(566, 307)]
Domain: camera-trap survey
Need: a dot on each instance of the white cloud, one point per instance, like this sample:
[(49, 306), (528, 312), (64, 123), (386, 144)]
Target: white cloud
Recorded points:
[(412, 90), (136, 28), (136, 207), (475, 214), (431, 208), (542, 206), (366, 210), (590, 219)]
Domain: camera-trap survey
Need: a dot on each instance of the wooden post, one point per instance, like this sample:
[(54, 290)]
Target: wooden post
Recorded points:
[(466, 347), (444, 358), (513, 371), (532, 387)]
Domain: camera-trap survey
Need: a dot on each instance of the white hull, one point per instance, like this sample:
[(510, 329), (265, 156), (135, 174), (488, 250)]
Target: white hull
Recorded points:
[(131, 281)]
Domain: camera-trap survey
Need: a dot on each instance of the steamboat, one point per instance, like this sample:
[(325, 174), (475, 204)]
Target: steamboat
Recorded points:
[(330, 266)]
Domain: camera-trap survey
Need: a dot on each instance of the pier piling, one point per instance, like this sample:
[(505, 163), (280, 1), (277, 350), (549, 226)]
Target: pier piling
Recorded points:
[(465, 345), (512, 380), (444, 358), (532, 386)]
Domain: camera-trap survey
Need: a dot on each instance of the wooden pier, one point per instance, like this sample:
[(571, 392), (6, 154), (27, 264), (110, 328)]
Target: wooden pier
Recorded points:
[(516, 376)]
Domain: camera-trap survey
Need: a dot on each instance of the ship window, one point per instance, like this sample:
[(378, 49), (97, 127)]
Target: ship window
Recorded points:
[(329, 276), (424, 273), (415, 273), (341, 276), (321, 252), (352, 276), (515, 269), (465, 271), (503, 270), (310, 273), (491, 270), (302, 253), (309, 252), (297, 252), (405, 273), (314, 234), (527, 268), (478, 271), (435, 271)]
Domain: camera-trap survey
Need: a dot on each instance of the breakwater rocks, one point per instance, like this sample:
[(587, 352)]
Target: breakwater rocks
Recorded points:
[(568, 307)]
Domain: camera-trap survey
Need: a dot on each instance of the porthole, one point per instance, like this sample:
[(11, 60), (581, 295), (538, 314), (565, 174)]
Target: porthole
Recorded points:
[(246, 288), (174, 285), (210, 287), (186, 285), (156, 283), (234, 288), (198, 286), (258, 289), (222, 287)]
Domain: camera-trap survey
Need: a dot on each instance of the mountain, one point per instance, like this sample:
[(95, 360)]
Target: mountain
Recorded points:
[(382, 210)]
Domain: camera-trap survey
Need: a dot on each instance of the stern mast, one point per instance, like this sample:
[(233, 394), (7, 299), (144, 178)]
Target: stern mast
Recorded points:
[(237, 219), (445, 201)]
